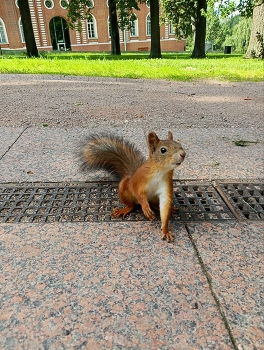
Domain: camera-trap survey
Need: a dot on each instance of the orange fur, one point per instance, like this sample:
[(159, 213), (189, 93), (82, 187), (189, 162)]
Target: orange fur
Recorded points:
[(150, 184)]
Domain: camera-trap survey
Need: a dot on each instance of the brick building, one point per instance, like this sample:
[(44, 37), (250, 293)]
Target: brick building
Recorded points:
[(51, 31)]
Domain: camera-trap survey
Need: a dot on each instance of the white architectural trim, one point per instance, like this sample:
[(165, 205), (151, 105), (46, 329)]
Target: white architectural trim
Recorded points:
[(34, 21)]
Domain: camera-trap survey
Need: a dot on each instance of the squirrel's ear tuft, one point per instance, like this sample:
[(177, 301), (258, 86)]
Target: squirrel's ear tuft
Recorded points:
[(170, 136), (153, 141)]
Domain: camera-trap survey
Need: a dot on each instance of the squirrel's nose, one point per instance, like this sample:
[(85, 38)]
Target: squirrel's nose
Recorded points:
[(182, 155)]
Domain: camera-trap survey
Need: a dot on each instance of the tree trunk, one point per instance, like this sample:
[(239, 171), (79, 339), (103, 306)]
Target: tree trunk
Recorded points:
[(155, 51), (114, 32), (32, 50), (256, 41), (200, 30)]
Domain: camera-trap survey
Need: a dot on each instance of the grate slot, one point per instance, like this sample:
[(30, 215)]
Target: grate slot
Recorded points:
[(247, 199)]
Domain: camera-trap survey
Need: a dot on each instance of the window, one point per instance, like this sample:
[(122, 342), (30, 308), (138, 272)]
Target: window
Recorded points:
[(92, 29), (21, 31), (3, 36), (49, 4), (64, 4), (148, 25), (133, 25), (147, 4), (108, 26), (171, 28), (91, 4)]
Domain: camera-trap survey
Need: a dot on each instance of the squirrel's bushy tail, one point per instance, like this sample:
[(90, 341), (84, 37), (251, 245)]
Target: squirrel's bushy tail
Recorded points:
[(111, 153)]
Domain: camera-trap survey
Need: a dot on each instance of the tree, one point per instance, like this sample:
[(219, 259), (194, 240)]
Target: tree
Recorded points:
[(155, 50), (216, 28), (189, 17), (31, 45), (182, 14), (125, 14), (240, 34), (256, 41), (114, 31), (250, 8), (81, 10), (200, 30), (120, 15), (78, 10)]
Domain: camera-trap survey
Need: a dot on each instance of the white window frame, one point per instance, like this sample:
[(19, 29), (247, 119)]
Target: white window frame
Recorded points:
[(148, 25), (64, 7), (52, 4), (108, 27), (134, 27), (21, 30), (92, 27), (171, 28), (3, 33), (91, 5)]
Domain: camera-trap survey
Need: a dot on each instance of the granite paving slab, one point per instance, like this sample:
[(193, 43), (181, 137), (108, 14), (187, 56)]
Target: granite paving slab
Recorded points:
[(50, 154), (7, 137), (101, 286), (233, 255), (43, 154), (214, 153)]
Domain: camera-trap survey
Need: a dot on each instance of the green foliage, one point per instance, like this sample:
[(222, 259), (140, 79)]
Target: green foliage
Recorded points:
[(225, 7), (77, 11), (125, 12), (214, 30), (82, 9), (231, 31), (182, 14), (240, 34), (245, 7)]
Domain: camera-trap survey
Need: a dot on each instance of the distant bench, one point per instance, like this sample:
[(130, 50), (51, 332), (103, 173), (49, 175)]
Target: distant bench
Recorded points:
[(143, 49)]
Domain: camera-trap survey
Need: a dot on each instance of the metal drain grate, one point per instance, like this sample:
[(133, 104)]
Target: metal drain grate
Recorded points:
[(200, 202), (63, 202), (247, 199), (47, 202), (75, 202)]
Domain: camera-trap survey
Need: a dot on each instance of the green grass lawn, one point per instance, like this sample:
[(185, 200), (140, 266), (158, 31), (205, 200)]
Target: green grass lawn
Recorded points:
[(128, 65)]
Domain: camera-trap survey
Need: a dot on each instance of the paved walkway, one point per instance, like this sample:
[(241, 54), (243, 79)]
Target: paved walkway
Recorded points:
[(118, 285)]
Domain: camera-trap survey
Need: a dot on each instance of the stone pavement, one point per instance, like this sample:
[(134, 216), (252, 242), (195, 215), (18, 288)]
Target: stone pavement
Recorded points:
[(118, 285)]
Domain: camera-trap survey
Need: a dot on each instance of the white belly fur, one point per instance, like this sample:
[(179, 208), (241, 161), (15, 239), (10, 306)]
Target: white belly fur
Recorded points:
[(157, 187)]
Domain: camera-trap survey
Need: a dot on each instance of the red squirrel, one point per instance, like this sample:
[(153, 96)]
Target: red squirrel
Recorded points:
[(147, 182)]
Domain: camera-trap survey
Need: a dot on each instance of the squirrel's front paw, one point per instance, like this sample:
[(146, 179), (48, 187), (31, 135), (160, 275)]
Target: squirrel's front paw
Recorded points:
[(168, 236), (148, 213)]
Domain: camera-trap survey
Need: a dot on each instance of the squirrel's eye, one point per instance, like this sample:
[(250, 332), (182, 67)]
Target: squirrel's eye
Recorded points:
[(163, 150)]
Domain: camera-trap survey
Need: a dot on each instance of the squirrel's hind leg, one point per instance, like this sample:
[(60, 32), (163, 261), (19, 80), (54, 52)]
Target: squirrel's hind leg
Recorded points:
[(126, 198), (117, 212)]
